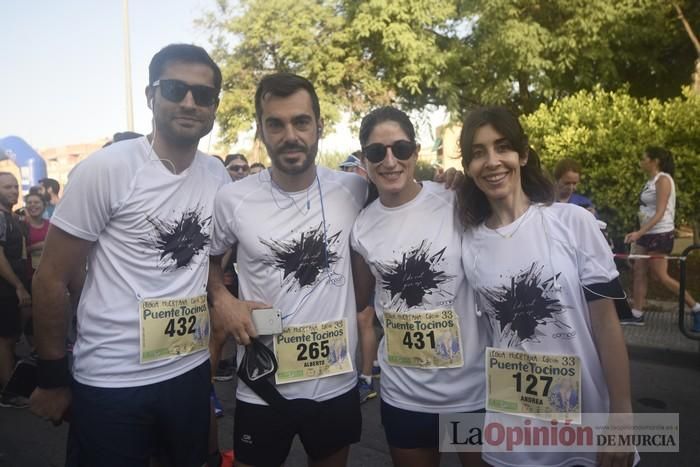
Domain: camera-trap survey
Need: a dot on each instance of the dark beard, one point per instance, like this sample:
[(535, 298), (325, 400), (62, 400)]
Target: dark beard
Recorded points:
[(310, 152)]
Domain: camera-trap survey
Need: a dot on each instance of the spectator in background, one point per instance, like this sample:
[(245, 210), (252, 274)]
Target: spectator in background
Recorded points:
[(37, 227), (13, 292), (122, 136), (49, 188), (657, 209), (256, 167), (567, 174), (237, 166), (354, 164)]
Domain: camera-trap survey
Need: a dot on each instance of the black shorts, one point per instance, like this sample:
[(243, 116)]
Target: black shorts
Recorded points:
[(10, 317), (406, 429), (115, 427), (263, 437), (657, 243)]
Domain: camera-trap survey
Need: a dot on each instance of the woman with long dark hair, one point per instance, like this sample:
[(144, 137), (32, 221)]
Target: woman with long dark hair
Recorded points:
[(407, 246), (657, 209), (544, 276)]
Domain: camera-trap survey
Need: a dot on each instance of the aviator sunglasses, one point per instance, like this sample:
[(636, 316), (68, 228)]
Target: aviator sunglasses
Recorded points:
[(175, 90), (402, 150)]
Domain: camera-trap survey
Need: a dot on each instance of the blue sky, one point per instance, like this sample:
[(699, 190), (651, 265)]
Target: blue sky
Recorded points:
[(62, 79)]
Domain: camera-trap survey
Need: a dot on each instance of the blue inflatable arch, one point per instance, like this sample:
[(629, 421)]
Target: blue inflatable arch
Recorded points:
[(32, 166)]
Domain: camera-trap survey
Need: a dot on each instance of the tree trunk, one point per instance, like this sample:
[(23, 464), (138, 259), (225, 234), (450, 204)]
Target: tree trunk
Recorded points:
[(696, 42)]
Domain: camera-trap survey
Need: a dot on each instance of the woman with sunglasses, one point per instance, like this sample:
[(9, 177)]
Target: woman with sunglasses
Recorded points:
[(407, 246), (544, 276), (237, 166)]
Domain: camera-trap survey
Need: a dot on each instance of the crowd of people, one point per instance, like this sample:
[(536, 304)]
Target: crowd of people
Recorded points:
[(171, 253)]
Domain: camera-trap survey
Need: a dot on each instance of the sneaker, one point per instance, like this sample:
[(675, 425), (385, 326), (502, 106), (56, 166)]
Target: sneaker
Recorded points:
[(218, 409), (632, 321), (376, 371), (14, 402), (366, 389), (223, 374), (696, 321)]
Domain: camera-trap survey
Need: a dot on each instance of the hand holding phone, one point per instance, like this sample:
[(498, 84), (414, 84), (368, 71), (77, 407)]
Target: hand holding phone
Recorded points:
[(267, 321)]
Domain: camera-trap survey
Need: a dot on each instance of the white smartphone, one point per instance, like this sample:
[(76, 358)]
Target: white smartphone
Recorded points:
[(267, 321)]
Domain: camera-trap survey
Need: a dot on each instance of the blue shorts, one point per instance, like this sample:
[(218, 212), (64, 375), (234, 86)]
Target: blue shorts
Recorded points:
[(406, 429), (114, 427)]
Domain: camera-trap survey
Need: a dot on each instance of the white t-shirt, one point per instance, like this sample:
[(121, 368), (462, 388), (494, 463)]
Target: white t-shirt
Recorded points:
[(554, 250), (281, 243), (414, 253), (647, 205), (151, 232)]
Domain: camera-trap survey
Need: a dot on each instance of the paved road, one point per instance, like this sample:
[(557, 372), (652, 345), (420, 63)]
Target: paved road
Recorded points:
[(665, 378)]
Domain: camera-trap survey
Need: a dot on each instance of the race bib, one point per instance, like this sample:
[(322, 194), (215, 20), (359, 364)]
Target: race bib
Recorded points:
[(533, 385), (427, 339), (173, 326), (312, 351)]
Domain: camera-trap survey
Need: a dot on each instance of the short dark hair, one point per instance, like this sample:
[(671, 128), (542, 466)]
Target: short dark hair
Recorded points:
[(385, 114), (663, 156), (28, 195), (232, 157), (186, 53), (284, 85), (257, 164), (473, 206), (50, 183), (564, 166)]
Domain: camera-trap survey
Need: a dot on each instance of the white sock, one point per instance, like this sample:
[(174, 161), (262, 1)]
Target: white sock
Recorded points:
[(696, 308), (637, 313), (366, 379)]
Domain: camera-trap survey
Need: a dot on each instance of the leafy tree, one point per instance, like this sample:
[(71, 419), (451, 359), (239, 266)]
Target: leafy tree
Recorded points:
[(607, 133), (456, 53)]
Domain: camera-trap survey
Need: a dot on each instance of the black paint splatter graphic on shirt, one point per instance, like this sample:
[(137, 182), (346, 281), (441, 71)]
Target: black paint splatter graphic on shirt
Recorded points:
[(414, 276), (525, 304), (181, 240), (303, 258)]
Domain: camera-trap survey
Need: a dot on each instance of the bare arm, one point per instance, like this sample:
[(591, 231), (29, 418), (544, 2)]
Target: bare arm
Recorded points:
[(9, 275), (363, 281), (61, 261), (610, 343), (229, 315)]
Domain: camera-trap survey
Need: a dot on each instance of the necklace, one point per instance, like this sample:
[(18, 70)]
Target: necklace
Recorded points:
[(520, 222), (275, 187)]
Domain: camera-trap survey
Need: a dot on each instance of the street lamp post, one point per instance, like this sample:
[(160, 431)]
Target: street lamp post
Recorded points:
[(127, 70)]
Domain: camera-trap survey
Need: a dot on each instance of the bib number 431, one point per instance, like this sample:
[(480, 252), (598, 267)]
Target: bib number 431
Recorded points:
[(417, 339)]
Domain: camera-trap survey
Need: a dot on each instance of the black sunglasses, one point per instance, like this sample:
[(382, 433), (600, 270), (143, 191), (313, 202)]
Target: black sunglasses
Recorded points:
[(401, 150), (175, 90), (237, 168)]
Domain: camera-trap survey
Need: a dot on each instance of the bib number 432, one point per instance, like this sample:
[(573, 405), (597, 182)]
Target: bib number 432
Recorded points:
[(184, 326)]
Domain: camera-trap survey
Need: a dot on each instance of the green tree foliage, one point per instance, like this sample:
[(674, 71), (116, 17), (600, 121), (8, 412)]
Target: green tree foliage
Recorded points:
[(607, 133), (457, 53)]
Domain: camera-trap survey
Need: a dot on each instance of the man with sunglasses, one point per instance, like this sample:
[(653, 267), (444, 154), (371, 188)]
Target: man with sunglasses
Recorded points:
[(140, 211), (237, 166)]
